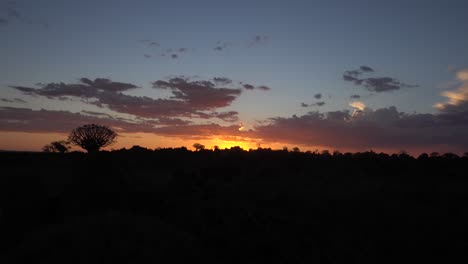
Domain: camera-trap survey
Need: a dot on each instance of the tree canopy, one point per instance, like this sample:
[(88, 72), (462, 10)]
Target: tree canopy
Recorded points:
[(92, 137)]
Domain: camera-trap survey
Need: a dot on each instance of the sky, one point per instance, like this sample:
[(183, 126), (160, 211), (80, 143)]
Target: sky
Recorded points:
[(337, 75)]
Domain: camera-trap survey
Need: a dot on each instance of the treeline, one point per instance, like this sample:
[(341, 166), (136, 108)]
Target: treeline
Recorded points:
[(232, 206)]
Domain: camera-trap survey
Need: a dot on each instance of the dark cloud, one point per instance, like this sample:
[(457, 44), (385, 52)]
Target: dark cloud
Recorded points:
[(318, 96), (182, 50), (222, 45), (108, 85), (374, 84), (252, 87), (189, 99), (3, 21), (231, 116), (147, 56), (14, 100), (151, 43), (201, 94), (174, 56), (314, 104), (384, 128), (384, 84), (259, 40), (366, 69), (222, 80), (28, 120), (263, 88), (248, 86), (85, 89), (355, 96)]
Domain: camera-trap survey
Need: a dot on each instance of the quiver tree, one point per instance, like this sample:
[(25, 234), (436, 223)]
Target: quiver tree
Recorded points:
[(92, 137), (57, 146)]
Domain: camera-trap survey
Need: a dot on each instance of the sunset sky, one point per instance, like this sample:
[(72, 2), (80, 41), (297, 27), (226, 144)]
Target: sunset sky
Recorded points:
[(338, 75)]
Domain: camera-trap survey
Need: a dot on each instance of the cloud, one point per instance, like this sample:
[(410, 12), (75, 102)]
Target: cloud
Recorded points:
[(203, 95), (222, 80), (151, 43), (358, 105), (174, 56), (14, 100), (3, 21), (248, 86), (314, 104), (458, 98), (366, 69), (189, 99), (355, 96), (318, 96), (222, 45), (264, 88), (374, 84), (252, 87), (258, 40), (147, 56), (46, 121), (384, 128), (231, 116), (86, 88)]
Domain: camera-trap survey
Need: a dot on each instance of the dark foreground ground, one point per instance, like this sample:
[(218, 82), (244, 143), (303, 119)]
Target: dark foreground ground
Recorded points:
[(176, 206)]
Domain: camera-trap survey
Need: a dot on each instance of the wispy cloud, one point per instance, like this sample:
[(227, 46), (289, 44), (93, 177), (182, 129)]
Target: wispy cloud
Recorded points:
[(374, 84), (259, 40)]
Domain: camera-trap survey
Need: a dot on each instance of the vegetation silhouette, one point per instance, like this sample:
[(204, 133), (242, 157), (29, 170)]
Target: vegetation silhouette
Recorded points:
[(57, 146), (92, 137), (173, 205)]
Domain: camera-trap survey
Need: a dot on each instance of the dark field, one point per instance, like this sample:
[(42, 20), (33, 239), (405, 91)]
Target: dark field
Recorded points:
[(232, 206)]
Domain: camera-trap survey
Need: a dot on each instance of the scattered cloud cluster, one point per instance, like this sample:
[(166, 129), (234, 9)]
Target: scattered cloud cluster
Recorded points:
[(374, 84), (189, 99), (155, 46), (317, 96), (384, 128)]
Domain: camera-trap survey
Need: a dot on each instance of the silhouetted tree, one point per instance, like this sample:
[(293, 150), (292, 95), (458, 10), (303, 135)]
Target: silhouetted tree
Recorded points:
[(198, 146), (57, 146), (423, 156), (92, 137)]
